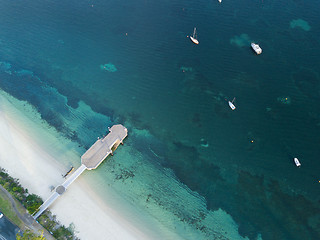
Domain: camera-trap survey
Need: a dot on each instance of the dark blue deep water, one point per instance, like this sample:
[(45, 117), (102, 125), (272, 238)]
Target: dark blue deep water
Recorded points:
[(52, 55)]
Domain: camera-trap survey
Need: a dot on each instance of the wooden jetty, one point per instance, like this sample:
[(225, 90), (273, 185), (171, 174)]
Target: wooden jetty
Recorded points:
[(103, 147), (91, 159)]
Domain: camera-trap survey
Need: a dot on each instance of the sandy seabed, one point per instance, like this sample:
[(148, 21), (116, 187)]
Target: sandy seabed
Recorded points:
[(29, 150), (37, 155)]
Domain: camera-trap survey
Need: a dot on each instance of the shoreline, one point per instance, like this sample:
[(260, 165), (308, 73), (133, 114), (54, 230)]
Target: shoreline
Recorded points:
[(99, 204), (28, 152)]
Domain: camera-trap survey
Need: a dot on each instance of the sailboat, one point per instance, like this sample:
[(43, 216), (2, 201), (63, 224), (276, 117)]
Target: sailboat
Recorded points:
[(231, 105), (194, 37)]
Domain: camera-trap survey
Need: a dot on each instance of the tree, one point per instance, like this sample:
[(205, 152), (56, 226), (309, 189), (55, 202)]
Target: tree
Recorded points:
[(27, 235), (63, 233), (33, 202)]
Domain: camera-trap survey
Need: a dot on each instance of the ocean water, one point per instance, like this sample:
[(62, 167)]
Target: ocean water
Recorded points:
[(199, 168)]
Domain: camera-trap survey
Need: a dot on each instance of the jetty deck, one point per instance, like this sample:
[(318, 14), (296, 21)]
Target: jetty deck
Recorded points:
[(91, 159), (103, 147)]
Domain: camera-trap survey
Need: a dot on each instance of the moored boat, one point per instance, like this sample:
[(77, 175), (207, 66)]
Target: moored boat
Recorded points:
[(70, 170), (256, 48), (297, 162), (231, 105), (194, 37)]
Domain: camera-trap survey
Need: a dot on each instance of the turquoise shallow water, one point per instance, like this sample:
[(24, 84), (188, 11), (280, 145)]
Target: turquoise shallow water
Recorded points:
[(171, 96)]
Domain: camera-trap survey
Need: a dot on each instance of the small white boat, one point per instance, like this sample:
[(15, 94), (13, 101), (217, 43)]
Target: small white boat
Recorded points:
[(220, 1), (256, 48), (296, 161), (194, 37), (1, 214), (231, 105)]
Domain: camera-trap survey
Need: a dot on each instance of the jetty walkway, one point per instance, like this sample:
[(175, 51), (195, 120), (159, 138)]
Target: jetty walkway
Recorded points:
[(91, 159)]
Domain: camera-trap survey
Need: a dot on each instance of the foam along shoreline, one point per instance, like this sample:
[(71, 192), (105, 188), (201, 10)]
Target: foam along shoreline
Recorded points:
[(29, 152)]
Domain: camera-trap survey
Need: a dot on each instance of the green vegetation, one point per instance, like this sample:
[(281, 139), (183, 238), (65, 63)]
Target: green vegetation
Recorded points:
[(31, 202), (27, 235), (63, 232), (13, 187), (7, 209), (48, 221)]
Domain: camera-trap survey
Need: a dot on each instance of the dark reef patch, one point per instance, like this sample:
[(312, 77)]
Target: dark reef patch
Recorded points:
[(255, 197), (191, 169), (285, 215), (25, 85), (308, 82)]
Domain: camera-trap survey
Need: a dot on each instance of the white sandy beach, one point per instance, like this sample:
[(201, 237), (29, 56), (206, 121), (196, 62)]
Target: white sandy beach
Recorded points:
[(38, 156), (31, 157)]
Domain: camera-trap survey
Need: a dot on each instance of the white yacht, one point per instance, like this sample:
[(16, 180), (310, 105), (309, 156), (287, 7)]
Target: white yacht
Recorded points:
[(296, 161), (1, 214), (231, 105), (220, 1), (256, 48), (194, 37)]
